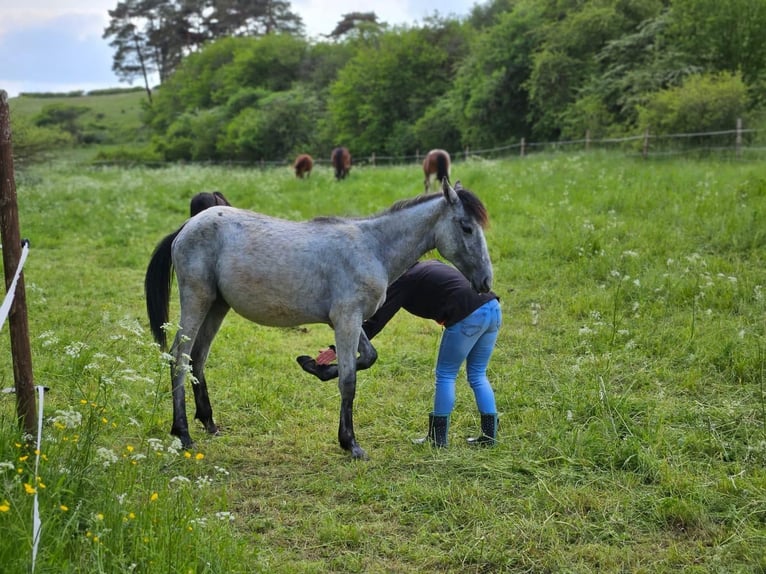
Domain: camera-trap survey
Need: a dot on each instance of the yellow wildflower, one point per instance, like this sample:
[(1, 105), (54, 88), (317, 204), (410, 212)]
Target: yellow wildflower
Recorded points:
[(199, 456), (29, 488), (154, 496), (5, 506), (64, 508)]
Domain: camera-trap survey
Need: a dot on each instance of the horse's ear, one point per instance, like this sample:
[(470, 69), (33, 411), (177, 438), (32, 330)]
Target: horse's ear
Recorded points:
[(458, 185), (449, 193)]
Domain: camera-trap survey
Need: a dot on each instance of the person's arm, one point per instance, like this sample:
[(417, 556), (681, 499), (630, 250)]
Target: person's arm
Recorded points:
[(395, 296)]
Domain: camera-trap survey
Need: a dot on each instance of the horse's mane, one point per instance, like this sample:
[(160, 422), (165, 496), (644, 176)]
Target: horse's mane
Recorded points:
[(471, 203)]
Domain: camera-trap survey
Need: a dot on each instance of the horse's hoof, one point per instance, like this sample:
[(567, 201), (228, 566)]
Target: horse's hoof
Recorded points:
[(357, 453), (187, 443)]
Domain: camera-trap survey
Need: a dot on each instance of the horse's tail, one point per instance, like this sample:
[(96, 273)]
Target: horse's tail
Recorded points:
[(159, 275), (442, 167)]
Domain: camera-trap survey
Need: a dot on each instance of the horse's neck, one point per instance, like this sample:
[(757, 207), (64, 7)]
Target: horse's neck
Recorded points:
[(403, 236)]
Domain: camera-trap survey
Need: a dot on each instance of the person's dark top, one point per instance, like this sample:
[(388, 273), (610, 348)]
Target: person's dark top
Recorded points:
[(431, 290)]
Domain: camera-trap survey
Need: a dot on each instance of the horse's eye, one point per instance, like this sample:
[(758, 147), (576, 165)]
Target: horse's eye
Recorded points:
[(467, 229)]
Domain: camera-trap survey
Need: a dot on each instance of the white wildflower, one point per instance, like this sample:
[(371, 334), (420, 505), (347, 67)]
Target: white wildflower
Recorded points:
[(106, 456), (74, 349), (69, 418)]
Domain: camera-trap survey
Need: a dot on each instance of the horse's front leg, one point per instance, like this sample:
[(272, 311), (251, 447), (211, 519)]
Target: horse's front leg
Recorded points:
[(346, 342)]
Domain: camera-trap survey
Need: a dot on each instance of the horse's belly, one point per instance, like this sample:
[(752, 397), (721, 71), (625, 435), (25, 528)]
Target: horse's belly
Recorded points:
[(272, 308)]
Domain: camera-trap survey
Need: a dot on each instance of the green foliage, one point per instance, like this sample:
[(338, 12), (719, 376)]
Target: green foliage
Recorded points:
[(722, 36), (32, 142), (439, 127), (705, 102), (388, 86), (278, 126), (489, 89)]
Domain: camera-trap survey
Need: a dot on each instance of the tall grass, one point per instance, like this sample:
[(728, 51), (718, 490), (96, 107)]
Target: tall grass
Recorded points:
[(629, 374)]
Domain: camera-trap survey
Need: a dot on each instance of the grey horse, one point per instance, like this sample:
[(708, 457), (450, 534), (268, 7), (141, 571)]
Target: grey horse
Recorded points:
[(276, 272)]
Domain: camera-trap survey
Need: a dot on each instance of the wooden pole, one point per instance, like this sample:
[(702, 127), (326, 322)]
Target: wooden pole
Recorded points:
[(522, 147), (646, 143), (739, 137), (17, 317)]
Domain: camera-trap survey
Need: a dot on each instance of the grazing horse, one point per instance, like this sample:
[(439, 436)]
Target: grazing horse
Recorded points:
[(341, 161), (275, 272), (303, 165), (436, 162), (205, 199)]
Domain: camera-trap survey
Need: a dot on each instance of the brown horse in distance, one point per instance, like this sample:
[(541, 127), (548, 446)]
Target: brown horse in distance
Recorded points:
[(436, 162), (341, 161), (303, 165), (205, 199)]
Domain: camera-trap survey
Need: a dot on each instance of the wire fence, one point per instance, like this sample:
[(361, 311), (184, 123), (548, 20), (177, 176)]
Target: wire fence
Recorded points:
[(737, 143)]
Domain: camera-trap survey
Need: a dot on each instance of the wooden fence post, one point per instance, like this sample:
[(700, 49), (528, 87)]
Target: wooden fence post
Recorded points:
[(587, 140), (739, 137), (522, 147), (11, 239), (646, 143)]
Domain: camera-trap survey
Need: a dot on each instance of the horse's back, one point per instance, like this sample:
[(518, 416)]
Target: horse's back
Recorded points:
[(270, 270)]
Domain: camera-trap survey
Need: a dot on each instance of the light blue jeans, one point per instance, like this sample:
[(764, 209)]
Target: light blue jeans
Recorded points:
[(471, 340)]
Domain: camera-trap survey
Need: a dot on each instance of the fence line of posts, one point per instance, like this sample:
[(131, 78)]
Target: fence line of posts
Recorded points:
[(644, 141)]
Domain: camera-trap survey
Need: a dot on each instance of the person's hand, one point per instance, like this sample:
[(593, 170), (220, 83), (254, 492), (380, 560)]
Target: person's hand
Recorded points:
[(326, 356)]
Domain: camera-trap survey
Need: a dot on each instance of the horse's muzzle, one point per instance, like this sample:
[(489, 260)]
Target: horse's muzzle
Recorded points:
[(484, 285)]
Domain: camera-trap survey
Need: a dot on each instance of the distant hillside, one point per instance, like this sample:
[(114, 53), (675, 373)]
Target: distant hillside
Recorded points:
[(111, 117)]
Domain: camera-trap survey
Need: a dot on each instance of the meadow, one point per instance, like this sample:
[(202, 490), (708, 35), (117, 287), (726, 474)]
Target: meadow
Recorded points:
[(629, 376)]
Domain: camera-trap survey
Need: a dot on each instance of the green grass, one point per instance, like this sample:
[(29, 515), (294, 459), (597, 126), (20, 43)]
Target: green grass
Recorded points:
[(628, 375)]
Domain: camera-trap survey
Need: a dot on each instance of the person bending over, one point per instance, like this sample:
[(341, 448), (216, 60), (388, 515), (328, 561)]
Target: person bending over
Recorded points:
[(434, 290)]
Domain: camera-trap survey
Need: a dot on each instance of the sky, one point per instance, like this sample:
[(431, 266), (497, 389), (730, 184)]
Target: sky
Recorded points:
[(56, 45)]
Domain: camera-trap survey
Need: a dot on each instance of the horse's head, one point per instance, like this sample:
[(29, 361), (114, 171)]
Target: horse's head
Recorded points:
[(460, 235)]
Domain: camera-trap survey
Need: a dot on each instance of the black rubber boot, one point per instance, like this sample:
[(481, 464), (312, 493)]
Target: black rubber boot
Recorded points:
[(488, 431), (438, 429)]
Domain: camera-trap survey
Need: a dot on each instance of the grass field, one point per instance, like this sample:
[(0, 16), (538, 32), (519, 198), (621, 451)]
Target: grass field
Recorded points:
[(114, 119), (629, 375)]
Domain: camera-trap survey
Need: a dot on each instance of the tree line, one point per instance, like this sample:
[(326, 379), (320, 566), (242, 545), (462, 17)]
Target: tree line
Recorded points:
[(239, 80)]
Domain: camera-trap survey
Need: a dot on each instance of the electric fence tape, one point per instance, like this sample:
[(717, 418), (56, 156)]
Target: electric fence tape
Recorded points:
[(9, 296)]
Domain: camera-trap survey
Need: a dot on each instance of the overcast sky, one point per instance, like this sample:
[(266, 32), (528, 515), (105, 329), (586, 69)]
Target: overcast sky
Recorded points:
[(56, 45)]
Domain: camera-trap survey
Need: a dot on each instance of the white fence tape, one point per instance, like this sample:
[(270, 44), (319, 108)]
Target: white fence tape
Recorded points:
[(36, 524), (8, 301)]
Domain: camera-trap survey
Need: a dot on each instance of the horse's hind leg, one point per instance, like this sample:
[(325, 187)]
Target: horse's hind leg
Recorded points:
[(180, 350), (195, 305), (199, 353)]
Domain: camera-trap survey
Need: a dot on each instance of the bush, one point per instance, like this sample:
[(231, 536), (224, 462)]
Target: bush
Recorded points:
[(704, 102), (32, 142)]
